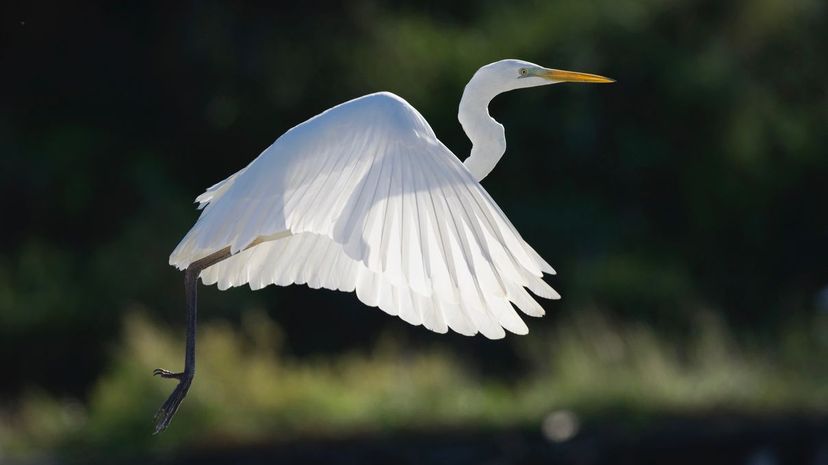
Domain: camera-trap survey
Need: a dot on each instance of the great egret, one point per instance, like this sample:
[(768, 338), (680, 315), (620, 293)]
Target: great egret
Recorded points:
[(365, 197)]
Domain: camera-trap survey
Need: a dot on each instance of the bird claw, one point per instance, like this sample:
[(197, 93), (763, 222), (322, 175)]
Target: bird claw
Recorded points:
[(170, 406), (164, 415), (167, 374)]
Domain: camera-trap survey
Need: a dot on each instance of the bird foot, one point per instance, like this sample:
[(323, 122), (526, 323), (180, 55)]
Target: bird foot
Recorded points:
[(164, 415), (167, 374)]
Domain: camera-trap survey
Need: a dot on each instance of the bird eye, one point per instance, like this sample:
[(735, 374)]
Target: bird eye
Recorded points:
[(524, 71)]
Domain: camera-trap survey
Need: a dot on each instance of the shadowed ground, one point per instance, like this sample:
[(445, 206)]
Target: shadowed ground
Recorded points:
[(721, 440)]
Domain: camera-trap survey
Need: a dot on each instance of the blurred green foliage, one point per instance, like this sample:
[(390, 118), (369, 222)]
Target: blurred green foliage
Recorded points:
[(250, 390), (697, 181)]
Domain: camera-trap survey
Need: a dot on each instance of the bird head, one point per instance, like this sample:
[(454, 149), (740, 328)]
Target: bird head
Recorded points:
[(512, 74)]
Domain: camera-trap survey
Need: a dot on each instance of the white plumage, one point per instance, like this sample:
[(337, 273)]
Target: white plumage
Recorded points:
[(365, 198)]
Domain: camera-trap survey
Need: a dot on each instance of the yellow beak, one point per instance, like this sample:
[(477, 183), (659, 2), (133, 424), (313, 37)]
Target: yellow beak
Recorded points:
[(572, 76)]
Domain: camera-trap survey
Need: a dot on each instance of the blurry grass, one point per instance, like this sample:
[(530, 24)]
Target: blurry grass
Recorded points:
[(248, 390)]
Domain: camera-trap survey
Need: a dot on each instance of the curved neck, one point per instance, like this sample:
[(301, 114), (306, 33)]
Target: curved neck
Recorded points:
[(487, 136)]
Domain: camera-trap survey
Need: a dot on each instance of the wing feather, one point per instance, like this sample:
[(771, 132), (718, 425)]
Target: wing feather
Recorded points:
[(372, 203)]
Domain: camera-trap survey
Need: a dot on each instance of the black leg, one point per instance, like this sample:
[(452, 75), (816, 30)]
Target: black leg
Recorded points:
[(185, 378)]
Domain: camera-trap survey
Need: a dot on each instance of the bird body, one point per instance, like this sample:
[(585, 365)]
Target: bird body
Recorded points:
[(369, 200), (365, 198)]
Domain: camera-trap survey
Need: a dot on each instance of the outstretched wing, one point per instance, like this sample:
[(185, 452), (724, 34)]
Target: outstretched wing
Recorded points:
[(373, 203)]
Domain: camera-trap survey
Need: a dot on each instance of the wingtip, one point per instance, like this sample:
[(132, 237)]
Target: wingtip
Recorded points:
[(496, 335)]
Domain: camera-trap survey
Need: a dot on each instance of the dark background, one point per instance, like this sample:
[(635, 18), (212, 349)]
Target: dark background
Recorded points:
[(696, 182)]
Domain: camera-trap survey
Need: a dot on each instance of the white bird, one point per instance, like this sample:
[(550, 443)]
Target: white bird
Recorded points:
[(364, 197)]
